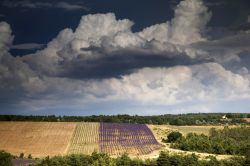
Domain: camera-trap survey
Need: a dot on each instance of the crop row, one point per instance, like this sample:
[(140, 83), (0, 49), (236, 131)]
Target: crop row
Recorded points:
[(85, 139), (117, 138)]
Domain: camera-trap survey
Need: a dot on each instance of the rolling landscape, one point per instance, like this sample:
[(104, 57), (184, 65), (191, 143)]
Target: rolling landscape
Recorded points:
[(32, 141), (124, 82)]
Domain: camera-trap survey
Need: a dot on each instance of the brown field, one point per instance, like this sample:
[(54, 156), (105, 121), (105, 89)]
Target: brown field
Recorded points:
[(85, 139), (36, 138)]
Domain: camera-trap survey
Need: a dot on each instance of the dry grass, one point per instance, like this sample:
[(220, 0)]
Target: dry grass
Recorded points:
[(85, 139), (161, 131), (247, 119), (36, 138)]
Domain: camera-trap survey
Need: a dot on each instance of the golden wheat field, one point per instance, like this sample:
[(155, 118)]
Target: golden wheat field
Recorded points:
[(85, 139), (36, 138)]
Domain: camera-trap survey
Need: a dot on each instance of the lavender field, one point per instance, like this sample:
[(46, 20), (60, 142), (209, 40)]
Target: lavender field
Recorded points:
[(118, 138)]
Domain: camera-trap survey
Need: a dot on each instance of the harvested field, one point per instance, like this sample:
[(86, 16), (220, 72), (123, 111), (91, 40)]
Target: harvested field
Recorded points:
[(85, 139), (134, 139), (36, 138)]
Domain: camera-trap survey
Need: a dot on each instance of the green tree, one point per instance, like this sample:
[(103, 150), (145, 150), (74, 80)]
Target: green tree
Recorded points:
[(247, 156), (5, 159), (174, 136), (124, 160), (29, 156), (163, 159), (21, 155)]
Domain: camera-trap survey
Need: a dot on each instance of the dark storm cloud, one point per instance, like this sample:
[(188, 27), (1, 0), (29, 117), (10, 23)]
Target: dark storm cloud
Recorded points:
[(118, 65), (45, 4)]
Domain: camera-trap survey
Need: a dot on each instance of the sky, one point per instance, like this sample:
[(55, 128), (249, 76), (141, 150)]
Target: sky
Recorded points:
[(145, 57)]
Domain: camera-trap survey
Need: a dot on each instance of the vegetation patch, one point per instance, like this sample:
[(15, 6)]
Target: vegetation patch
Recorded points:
[(227, 141)]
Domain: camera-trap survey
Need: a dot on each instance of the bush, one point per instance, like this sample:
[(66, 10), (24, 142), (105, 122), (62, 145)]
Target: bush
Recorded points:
[(174, 136), (29, 156), (163, 159), (21, 155)]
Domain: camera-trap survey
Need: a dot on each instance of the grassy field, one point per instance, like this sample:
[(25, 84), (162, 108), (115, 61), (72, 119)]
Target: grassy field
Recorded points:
[(161, 131), (36, 138), (85, 139)]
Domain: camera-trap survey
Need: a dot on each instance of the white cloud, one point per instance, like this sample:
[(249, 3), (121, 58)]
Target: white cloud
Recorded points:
[(107, 34), (6, 38), (28, 46), (191, 16), (155, 85), (186, 27), (172, 85)]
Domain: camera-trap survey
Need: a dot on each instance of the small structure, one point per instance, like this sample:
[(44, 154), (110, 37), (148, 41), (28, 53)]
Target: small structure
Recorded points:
[(224, 117)]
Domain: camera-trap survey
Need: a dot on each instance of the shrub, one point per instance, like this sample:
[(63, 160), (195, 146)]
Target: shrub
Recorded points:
[(5, 159), (174, 136)]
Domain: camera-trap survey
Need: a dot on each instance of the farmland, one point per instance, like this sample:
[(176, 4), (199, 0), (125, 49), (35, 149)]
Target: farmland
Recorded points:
[(37, 138), (85, 139), (60, 138), (134, 139), (41, 139)]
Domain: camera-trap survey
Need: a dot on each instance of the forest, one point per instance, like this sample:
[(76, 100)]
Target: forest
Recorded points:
[(179, 119)]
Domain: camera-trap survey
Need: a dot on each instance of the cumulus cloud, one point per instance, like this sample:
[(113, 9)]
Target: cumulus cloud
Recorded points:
[(102, 35), (170, 85), (31, 4), (185, 28), (6, 37), (188, 67)]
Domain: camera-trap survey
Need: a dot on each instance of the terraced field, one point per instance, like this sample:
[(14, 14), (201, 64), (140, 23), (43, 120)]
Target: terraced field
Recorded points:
[(85, 139)]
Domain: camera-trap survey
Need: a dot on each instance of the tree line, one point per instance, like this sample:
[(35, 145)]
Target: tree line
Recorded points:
[(101, 159), (180, 119)]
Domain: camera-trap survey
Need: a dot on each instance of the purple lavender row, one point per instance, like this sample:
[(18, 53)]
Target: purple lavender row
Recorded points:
[(123, 135)]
